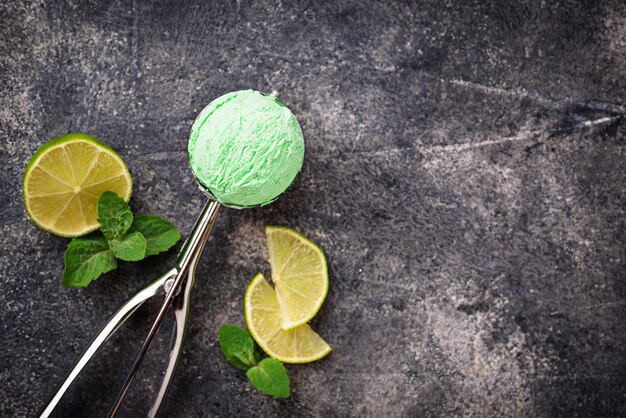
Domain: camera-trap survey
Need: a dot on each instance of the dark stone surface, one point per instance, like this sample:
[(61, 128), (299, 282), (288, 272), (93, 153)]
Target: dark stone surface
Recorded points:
[(473, 218)]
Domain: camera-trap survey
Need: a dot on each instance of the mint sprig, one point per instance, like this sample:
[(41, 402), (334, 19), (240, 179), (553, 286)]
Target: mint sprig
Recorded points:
[(121, 236), (268, 375)]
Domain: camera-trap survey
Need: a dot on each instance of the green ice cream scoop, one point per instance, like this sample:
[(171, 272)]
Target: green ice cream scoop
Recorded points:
[(245, 148)]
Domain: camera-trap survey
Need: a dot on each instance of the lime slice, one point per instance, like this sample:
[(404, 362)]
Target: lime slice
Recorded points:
[(299, 273), (263, 318), (64, 179)]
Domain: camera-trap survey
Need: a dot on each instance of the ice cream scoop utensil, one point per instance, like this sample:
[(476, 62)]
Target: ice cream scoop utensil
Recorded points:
[(175, 286)]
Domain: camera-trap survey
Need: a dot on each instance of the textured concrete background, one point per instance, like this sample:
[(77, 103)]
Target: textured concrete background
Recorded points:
[(464, 174)]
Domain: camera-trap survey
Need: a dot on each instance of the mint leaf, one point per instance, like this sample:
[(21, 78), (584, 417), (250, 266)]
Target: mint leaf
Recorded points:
[(114, 215), (86, 258), (270, 376), (127, 238), (131, 247), (238, 347), (160, 234)]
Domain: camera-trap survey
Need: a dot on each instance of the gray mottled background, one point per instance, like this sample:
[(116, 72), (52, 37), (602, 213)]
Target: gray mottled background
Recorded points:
[(465, 174)]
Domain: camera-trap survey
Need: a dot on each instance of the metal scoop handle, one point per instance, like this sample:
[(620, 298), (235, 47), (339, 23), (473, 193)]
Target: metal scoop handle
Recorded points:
[(168, 285)]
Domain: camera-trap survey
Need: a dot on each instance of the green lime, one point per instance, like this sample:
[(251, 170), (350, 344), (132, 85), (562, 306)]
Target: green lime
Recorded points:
[(64, 179), (299, 274), (263, 318)]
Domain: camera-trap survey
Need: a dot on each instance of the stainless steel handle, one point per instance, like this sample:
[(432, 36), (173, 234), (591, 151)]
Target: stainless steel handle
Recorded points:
[(168, 285), (187, 262), (181, 313), (157, 287)]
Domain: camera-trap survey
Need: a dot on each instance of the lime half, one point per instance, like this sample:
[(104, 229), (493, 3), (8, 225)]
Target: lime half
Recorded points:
[(299, 273), (65, 178), (263, 318)]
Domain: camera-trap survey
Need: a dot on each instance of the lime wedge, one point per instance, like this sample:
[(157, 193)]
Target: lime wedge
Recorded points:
[(263, 318), (299, 273), (64, 179)]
